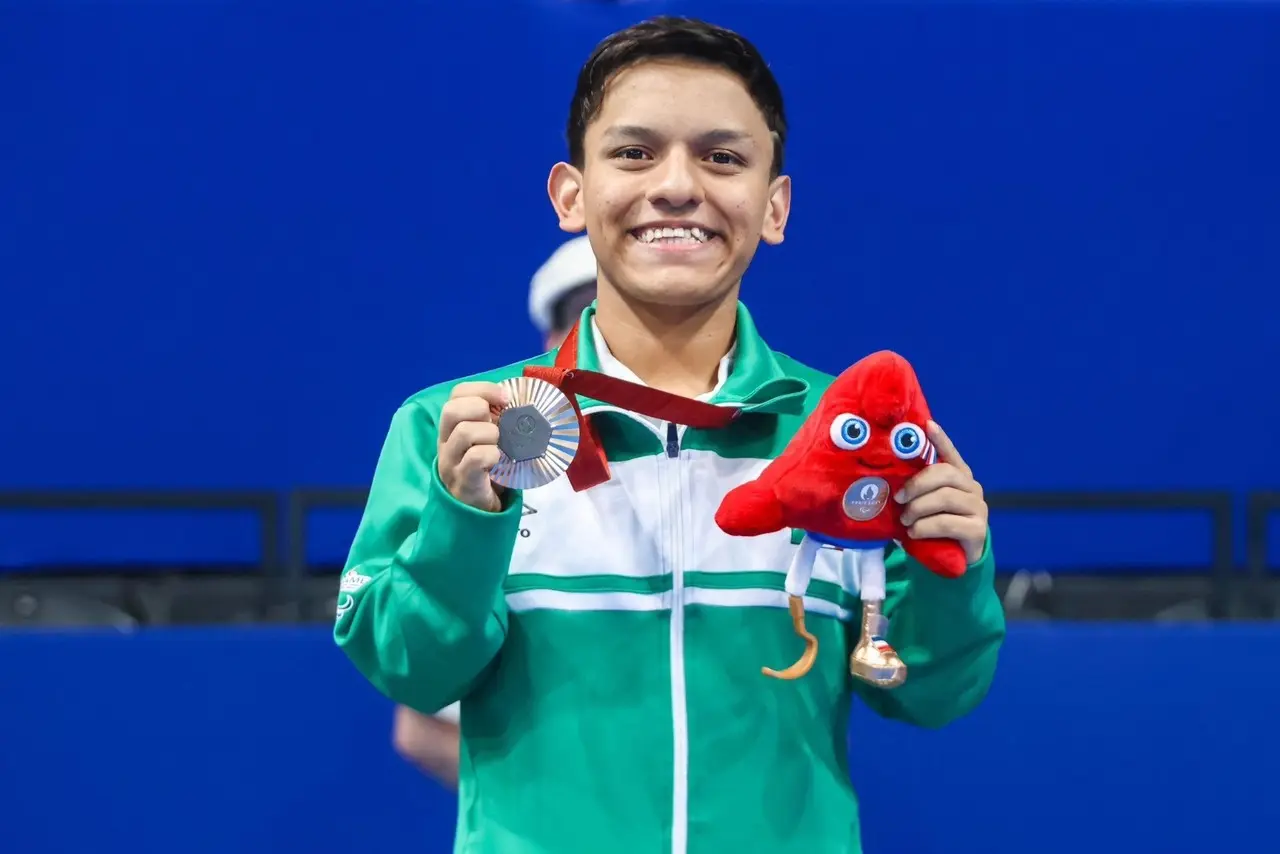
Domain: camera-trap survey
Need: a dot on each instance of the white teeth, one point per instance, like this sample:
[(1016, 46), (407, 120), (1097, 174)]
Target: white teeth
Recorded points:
[(673, 235)]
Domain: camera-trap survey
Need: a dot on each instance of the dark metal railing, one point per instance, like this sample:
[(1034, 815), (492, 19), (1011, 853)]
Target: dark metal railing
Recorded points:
[(1217, 504), (1260, 507), (265, 504), (300, 502)]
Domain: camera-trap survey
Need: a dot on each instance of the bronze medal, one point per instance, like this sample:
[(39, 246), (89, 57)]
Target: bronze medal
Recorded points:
[(866, 498)]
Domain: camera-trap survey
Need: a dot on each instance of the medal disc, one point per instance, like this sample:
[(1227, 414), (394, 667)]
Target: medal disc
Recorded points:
[(865, 499), (537, 434)]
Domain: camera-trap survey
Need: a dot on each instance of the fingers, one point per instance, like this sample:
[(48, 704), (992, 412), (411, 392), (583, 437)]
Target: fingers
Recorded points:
[(947, 452), (949, 526), (470, 402), (948, 499), (943, 501), (477, 461), (935, 477), (492, 392), (463, 410), (470, 440)]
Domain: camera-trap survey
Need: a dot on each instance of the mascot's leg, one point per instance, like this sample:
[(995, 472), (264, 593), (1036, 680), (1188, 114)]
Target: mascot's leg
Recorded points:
[(873, 660), (798, 575)]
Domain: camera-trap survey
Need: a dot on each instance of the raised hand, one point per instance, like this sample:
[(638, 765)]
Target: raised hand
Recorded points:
[(468, 443), (944, 501)]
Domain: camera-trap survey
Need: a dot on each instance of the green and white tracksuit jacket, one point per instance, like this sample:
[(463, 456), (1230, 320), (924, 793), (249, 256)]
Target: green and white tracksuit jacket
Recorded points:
[(606, 645)]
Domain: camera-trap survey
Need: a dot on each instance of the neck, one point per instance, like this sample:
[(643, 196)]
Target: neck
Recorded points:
[(673, 349)]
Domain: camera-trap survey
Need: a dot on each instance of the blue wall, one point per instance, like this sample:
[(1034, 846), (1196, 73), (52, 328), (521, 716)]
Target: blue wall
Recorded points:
[(216, 262), (219, 252), (1117, 739)]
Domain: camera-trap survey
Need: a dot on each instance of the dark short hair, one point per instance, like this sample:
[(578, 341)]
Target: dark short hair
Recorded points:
[(676, 38)]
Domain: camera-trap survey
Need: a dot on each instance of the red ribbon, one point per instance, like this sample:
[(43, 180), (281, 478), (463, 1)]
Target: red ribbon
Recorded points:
[(590, 466)]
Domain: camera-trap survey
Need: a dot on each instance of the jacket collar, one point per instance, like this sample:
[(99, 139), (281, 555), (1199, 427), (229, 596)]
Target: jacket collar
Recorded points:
[(756, 381)]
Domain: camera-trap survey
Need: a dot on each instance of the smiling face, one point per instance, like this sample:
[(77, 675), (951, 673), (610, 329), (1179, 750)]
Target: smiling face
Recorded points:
[(892, 450), (868, 430), (875, 417), (675, 188)]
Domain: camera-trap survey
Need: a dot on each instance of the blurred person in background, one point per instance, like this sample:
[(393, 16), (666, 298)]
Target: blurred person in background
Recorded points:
[(561, 288)]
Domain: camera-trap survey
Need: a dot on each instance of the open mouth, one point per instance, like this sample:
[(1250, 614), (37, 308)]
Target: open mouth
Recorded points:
[(674, 236)]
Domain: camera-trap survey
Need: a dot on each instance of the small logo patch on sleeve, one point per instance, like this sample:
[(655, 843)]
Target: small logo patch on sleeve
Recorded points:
[(353, 581), (350, 583)]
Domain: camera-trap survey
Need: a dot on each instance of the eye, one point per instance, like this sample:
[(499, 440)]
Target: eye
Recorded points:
[(630, 153), (850, 432), (908, 441), (725, 158)]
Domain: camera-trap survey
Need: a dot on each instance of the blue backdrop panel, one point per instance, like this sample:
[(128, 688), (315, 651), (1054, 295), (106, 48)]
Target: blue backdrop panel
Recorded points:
[(1116, 739), (239, 238)]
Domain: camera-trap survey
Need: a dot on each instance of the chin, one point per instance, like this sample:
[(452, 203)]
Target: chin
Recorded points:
[(678, 287), (678, 297)]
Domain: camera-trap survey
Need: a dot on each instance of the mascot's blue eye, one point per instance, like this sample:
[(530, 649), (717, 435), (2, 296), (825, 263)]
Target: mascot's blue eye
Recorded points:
[(850, 432), (908, 441)]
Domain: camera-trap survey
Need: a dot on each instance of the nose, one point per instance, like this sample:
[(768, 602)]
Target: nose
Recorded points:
[(676, 184)]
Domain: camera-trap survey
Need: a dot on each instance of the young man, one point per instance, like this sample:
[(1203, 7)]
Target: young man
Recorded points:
[(606, 644), (560, 290)]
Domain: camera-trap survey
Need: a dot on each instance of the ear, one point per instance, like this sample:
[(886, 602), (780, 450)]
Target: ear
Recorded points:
[(775, 215), (564, 186)]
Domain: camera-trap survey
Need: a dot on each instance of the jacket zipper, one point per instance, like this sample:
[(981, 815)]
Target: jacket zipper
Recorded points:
[(671, 477), (679, 699)]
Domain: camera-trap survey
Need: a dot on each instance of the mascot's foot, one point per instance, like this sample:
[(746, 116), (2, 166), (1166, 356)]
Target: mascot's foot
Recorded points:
[(805, 664), (873, 660)]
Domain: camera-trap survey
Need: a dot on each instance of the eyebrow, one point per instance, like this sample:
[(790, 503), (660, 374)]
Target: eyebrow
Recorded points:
[(719, 136)]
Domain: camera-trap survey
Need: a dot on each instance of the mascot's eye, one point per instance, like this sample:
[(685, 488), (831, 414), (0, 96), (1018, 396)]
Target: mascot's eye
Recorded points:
[(908, 441), (850, 432)]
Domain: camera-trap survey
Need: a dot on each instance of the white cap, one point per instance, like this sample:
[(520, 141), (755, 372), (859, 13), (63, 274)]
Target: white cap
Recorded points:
[(570, 266)]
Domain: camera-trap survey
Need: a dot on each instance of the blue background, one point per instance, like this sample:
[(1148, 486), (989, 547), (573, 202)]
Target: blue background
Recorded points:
[(240, 235), (1099, 739), (234, 237)]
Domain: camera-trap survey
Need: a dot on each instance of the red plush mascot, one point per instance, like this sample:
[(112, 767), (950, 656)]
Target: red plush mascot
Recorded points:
[(835, 482)]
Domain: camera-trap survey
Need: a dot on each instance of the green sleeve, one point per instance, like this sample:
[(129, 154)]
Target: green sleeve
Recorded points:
[(948, 633), (420, 609)]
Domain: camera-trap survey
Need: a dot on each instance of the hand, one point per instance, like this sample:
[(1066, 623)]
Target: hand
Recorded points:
[(468, 444), (944, 501)]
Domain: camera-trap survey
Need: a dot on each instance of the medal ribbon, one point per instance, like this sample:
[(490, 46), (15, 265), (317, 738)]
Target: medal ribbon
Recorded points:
[(590, 466)]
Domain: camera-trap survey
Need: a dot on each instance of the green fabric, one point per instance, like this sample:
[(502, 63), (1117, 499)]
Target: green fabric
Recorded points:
[(436, 567), (569, 741)]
